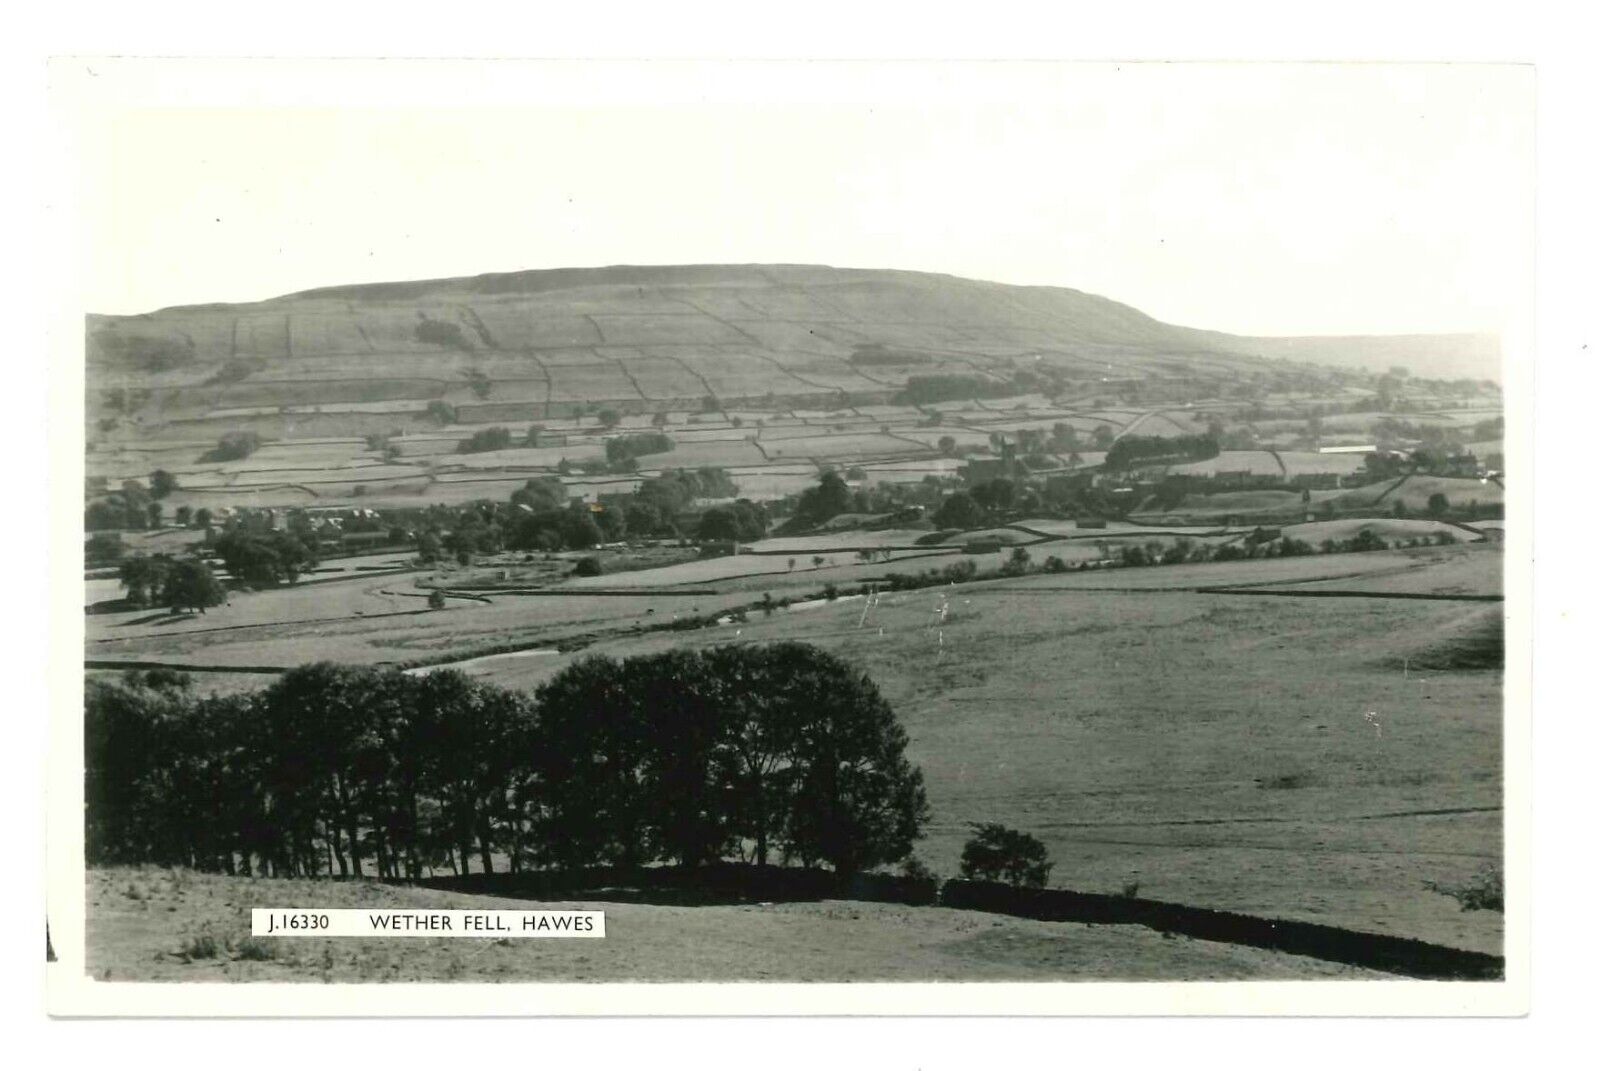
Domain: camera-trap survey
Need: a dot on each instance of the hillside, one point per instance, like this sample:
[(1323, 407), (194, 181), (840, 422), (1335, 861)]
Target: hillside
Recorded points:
[(551, 344)]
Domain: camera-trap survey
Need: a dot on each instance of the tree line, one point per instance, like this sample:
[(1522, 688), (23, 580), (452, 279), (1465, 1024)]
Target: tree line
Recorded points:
[(1131, 450), (780, 752)]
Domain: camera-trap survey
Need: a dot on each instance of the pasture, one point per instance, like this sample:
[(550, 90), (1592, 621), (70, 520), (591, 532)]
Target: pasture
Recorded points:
[(141, 921), (1214, 748)]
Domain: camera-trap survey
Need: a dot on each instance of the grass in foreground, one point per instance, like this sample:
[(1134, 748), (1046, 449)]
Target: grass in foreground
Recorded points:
[(148, 924)]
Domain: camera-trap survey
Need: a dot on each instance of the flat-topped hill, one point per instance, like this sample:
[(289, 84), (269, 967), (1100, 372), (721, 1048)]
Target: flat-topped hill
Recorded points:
[(546, 344)]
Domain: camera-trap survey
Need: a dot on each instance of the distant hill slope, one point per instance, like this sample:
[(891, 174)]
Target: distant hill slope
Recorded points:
[(527, 345)]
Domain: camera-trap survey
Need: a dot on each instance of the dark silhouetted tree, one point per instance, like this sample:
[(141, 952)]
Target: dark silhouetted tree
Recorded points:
[(996, 853)]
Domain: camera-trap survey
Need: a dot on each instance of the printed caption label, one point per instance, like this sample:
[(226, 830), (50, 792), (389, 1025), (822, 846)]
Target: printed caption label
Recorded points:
[(374, 922)]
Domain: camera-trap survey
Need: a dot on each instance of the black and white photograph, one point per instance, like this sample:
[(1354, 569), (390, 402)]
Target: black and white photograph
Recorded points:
[(1025, 526)]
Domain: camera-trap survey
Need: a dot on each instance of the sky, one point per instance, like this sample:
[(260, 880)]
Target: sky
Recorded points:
[(1255, 199)]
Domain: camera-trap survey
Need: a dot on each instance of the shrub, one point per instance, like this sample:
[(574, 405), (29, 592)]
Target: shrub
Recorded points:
[(442, 333), (255, 949), (233, 446), (496, 438), (1289, 547), (1017, 564), (997, 853), (959, 572), (201, 946), (1054, 564), (1486, 891), (1366, 540), (587, 566), (436, 599)]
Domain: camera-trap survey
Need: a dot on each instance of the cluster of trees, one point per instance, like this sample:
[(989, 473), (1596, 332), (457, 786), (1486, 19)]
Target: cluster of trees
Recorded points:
[(1184, 551), (161, 580), (820, 504), (496, 438), (265, 559), (130, 507), (953, 387), (1131, 450), (539, 517), (689, 756), (989, 500), (233, 446), (623, 450), (676, 489), (742, 521)]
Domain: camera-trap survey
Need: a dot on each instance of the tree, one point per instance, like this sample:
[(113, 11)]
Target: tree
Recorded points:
[(154, 512), (857, 802), (436, 599), (162, 483), (825, 501), (1017, 564), (947, 445), (541, 493), (202, 517), (609, 418), (1103, 437), (1438, 504), (141, 578), (428, 547), (479, 381), (959, 511), (659, 420), (623, 448), (264, 559), (496, 438), (189, 585), (233, 446), (590, 760), (997, 494), (997, 853), (742, 521), (103, 547), (587, 566)]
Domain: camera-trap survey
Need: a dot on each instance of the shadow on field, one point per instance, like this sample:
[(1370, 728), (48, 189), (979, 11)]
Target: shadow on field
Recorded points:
[(163, 617)]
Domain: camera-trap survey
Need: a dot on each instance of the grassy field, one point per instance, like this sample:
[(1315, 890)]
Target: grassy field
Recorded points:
[(1215, 748), (153, 925)]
